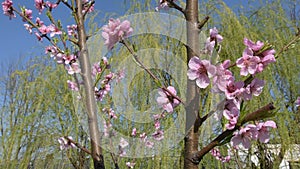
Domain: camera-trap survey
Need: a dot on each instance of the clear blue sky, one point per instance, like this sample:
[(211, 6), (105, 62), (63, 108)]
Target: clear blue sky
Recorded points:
[(17, 42)]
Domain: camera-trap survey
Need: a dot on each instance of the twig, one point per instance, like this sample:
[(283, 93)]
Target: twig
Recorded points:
[(148, 71)]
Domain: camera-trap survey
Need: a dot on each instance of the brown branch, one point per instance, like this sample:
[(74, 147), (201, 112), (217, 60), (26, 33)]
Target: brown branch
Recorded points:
[(259, 114), (172, 4), (203, 22), (78, 145)]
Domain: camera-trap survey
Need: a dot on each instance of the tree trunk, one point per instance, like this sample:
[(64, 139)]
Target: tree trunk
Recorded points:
[(192, 108), (89, 91)]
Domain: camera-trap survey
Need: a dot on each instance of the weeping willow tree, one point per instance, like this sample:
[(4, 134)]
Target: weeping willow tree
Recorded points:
[(37, 106), (36, 109)]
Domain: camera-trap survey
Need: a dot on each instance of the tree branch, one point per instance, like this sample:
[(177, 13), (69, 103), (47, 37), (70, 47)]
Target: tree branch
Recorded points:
[(256, 115)]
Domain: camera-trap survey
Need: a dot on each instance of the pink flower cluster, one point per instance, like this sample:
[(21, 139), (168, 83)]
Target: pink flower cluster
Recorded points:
[(250, 132), (115, 31), (158, 135), (255, 58), (122, 145), (213, 40), (166, 100), (223, 79), (217, 154), (7, 9)]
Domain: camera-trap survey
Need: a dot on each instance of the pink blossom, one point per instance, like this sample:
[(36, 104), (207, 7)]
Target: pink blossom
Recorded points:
[(200, 70), (143, 137), (263, 131), (213, 38), (163, 4), (39, 5), (65, 144), (130, 164), (216, 153), (38, 36), (166, 100), (86, 6), (28, 14), (59, 58), (28, 27), (39, 22), (100, 93), (254, 88), (133, 133), (268, 57), (248, 63), (44, 29), (149, 144), (123, 143), (297, 102), (72, 30), (54, 30), (221, 77), (115, 31), (7, 9), (234, 89), (73, 68), (158, 135), (52, 50), (244, 136), (231, 115), (51, 5), (96, 69), (253, 46), (157, 124), (72, 85), (69, 58), (232, 103)]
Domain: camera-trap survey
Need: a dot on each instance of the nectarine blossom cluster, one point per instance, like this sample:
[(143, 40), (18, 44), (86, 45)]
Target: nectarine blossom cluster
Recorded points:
[(115, 31), (255, 58)]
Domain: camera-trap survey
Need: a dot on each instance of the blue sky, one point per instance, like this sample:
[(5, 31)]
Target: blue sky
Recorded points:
[(16, 42)]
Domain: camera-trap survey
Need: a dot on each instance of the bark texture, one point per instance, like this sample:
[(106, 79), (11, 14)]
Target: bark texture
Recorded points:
[(192, 108), (90, 101)]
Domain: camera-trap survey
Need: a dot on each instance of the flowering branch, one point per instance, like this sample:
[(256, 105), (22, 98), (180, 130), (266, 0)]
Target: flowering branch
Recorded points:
[(257, 115), (37, 28)]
